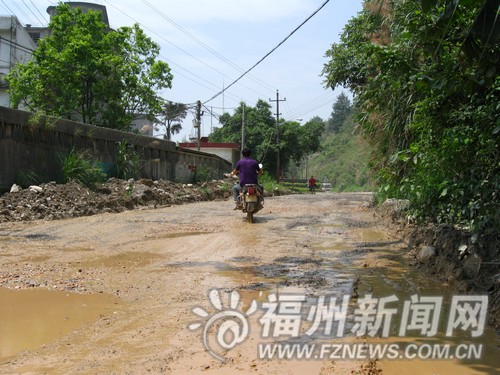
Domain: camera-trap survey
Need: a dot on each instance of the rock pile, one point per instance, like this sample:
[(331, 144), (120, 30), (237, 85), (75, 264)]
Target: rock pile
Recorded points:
[(58, 201)]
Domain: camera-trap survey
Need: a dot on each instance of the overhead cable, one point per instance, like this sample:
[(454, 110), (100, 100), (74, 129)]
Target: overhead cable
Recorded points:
[(270, 52)]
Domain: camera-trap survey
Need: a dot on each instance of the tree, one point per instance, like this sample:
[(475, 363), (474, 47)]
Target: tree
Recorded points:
[(260, 127), (83, 71), (426, 85), (341, 111), (260, 135), (173, 114)]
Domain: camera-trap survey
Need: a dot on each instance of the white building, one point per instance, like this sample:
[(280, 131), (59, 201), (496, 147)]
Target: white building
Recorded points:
[(17, 44), (16, 47), (227, 151)]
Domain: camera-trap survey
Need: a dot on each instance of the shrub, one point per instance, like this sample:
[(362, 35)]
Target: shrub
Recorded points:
[(80, 167)]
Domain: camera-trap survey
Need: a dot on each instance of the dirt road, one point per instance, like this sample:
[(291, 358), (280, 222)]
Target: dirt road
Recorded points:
[(114, 293)]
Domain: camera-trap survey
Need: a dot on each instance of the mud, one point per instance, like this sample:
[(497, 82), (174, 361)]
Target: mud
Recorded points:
[(152, 267)]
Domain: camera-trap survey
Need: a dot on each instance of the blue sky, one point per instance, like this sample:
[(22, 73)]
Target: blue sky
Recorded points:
[(210, 43)]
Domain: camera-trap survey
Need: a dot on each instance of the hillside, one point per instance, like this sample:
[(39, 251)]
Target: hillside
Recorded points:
[(343, 160)]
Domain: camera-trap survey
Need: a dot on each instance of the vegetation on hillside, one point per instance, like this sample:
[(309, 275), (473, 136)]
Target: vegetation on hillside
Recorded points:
[(424, 75), (345, 154)]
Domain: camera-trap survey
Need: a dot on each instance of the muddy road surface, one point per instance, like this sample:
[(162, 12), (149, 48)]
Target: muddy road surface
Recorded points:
[(317, 285)]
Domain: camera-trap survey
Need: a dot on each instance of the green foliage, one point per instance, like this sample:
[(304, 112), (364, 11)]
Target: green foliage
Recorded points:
[(426, 85), (40, 119), (28, 177), (206, 192), (260, 131), (269, 182), (80, 167), (341, 110), (203, 174), (172, 116), (295, 141), (85, 72), (344, 160), (128, 162)]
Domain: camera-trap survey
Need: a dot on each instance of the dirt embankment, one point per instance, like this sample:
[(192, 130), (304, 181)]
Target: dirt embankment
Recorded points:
[(60, 201), (467, 262)]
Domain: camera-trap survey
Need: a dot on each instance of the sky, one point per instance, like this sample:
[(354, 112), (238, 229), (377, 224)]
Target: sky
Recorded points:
[(209, 44)]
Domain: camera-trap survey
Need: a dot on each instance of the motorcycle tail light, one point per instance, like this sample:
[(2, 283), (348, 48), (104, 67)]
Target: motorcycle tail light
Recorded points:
[(251, 191)]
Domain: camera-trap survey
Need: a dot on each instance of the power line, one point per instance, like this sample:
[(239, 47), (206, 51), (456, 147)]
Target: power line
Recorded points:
[(40, 13), (204, 45), (270, 52), (173, 44), (29, 8), (22, 11), (11, 43), (177, 47), (7, 7)]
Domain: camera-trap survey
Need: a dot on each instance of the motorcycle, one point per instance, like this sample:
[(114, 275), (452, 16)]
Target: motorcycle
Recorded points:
[(251, 200)]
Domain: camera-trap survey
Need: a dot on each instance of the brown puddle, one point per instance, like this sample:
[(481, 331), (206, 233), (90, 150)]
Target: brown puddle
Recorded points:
[(253, 287), (370, 235), (34, 317), (177, 235), (402, 281), (124, 259)]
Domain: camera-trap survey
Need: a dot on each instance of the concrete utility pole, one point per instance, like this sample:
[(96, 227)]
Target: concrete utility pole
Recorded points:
[(278, 100), (243, 129), (198, 123)]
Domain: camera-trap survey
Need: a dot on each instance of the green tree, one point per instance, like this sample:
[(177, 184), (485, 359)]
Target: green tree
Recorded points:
[(426, 85), (341, 111), (83, 71), (171, 118), (260, 135), (260, 130)]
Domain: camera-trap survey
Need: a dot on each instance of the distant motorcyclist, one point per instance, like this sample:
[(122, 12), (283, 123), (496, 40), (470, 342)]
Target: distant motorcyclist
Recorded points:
[(248, 170)]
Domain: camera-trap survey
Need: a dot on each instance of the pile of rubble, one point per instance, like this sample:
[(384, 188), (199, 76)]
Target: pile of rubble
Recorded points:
[(58, 201)]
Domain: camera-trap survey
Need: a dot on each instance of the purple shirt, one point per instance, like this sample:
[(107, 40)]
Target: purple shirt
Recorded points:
[(248, 169)]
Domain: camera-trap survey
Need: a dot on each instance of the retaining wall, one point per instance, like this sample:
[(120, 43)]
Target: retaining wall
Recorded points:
[(33, 146)]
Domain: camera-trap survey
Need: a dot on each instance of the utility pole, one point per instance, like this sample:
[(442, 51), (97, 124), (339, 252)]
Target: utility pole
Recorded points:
[(243, 129), (278, 100), (198, 123)]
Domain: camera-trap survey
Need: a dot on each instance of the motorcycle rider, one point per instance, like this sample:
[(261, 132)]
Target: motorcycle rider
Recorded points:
[(248, 170)]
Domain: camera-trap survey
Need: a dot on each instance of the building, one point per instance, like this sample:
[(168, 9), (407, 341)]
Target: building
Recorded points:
[(17, 44), (16, 47), (39, 32), (227, 151), (142, 125), (84, 7)]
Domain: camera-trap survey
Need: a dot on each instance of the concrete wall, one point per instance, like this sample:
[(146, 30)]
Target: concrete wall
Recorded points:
[(35, 146)]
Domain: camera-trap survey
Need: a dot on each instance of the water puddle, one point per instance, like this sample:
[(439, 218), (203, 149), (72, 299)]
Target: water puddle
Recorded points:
[(34, 317), (77, 249), (179, 235), (37, 259), (403, 282), (332, 244), (127, 259)]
